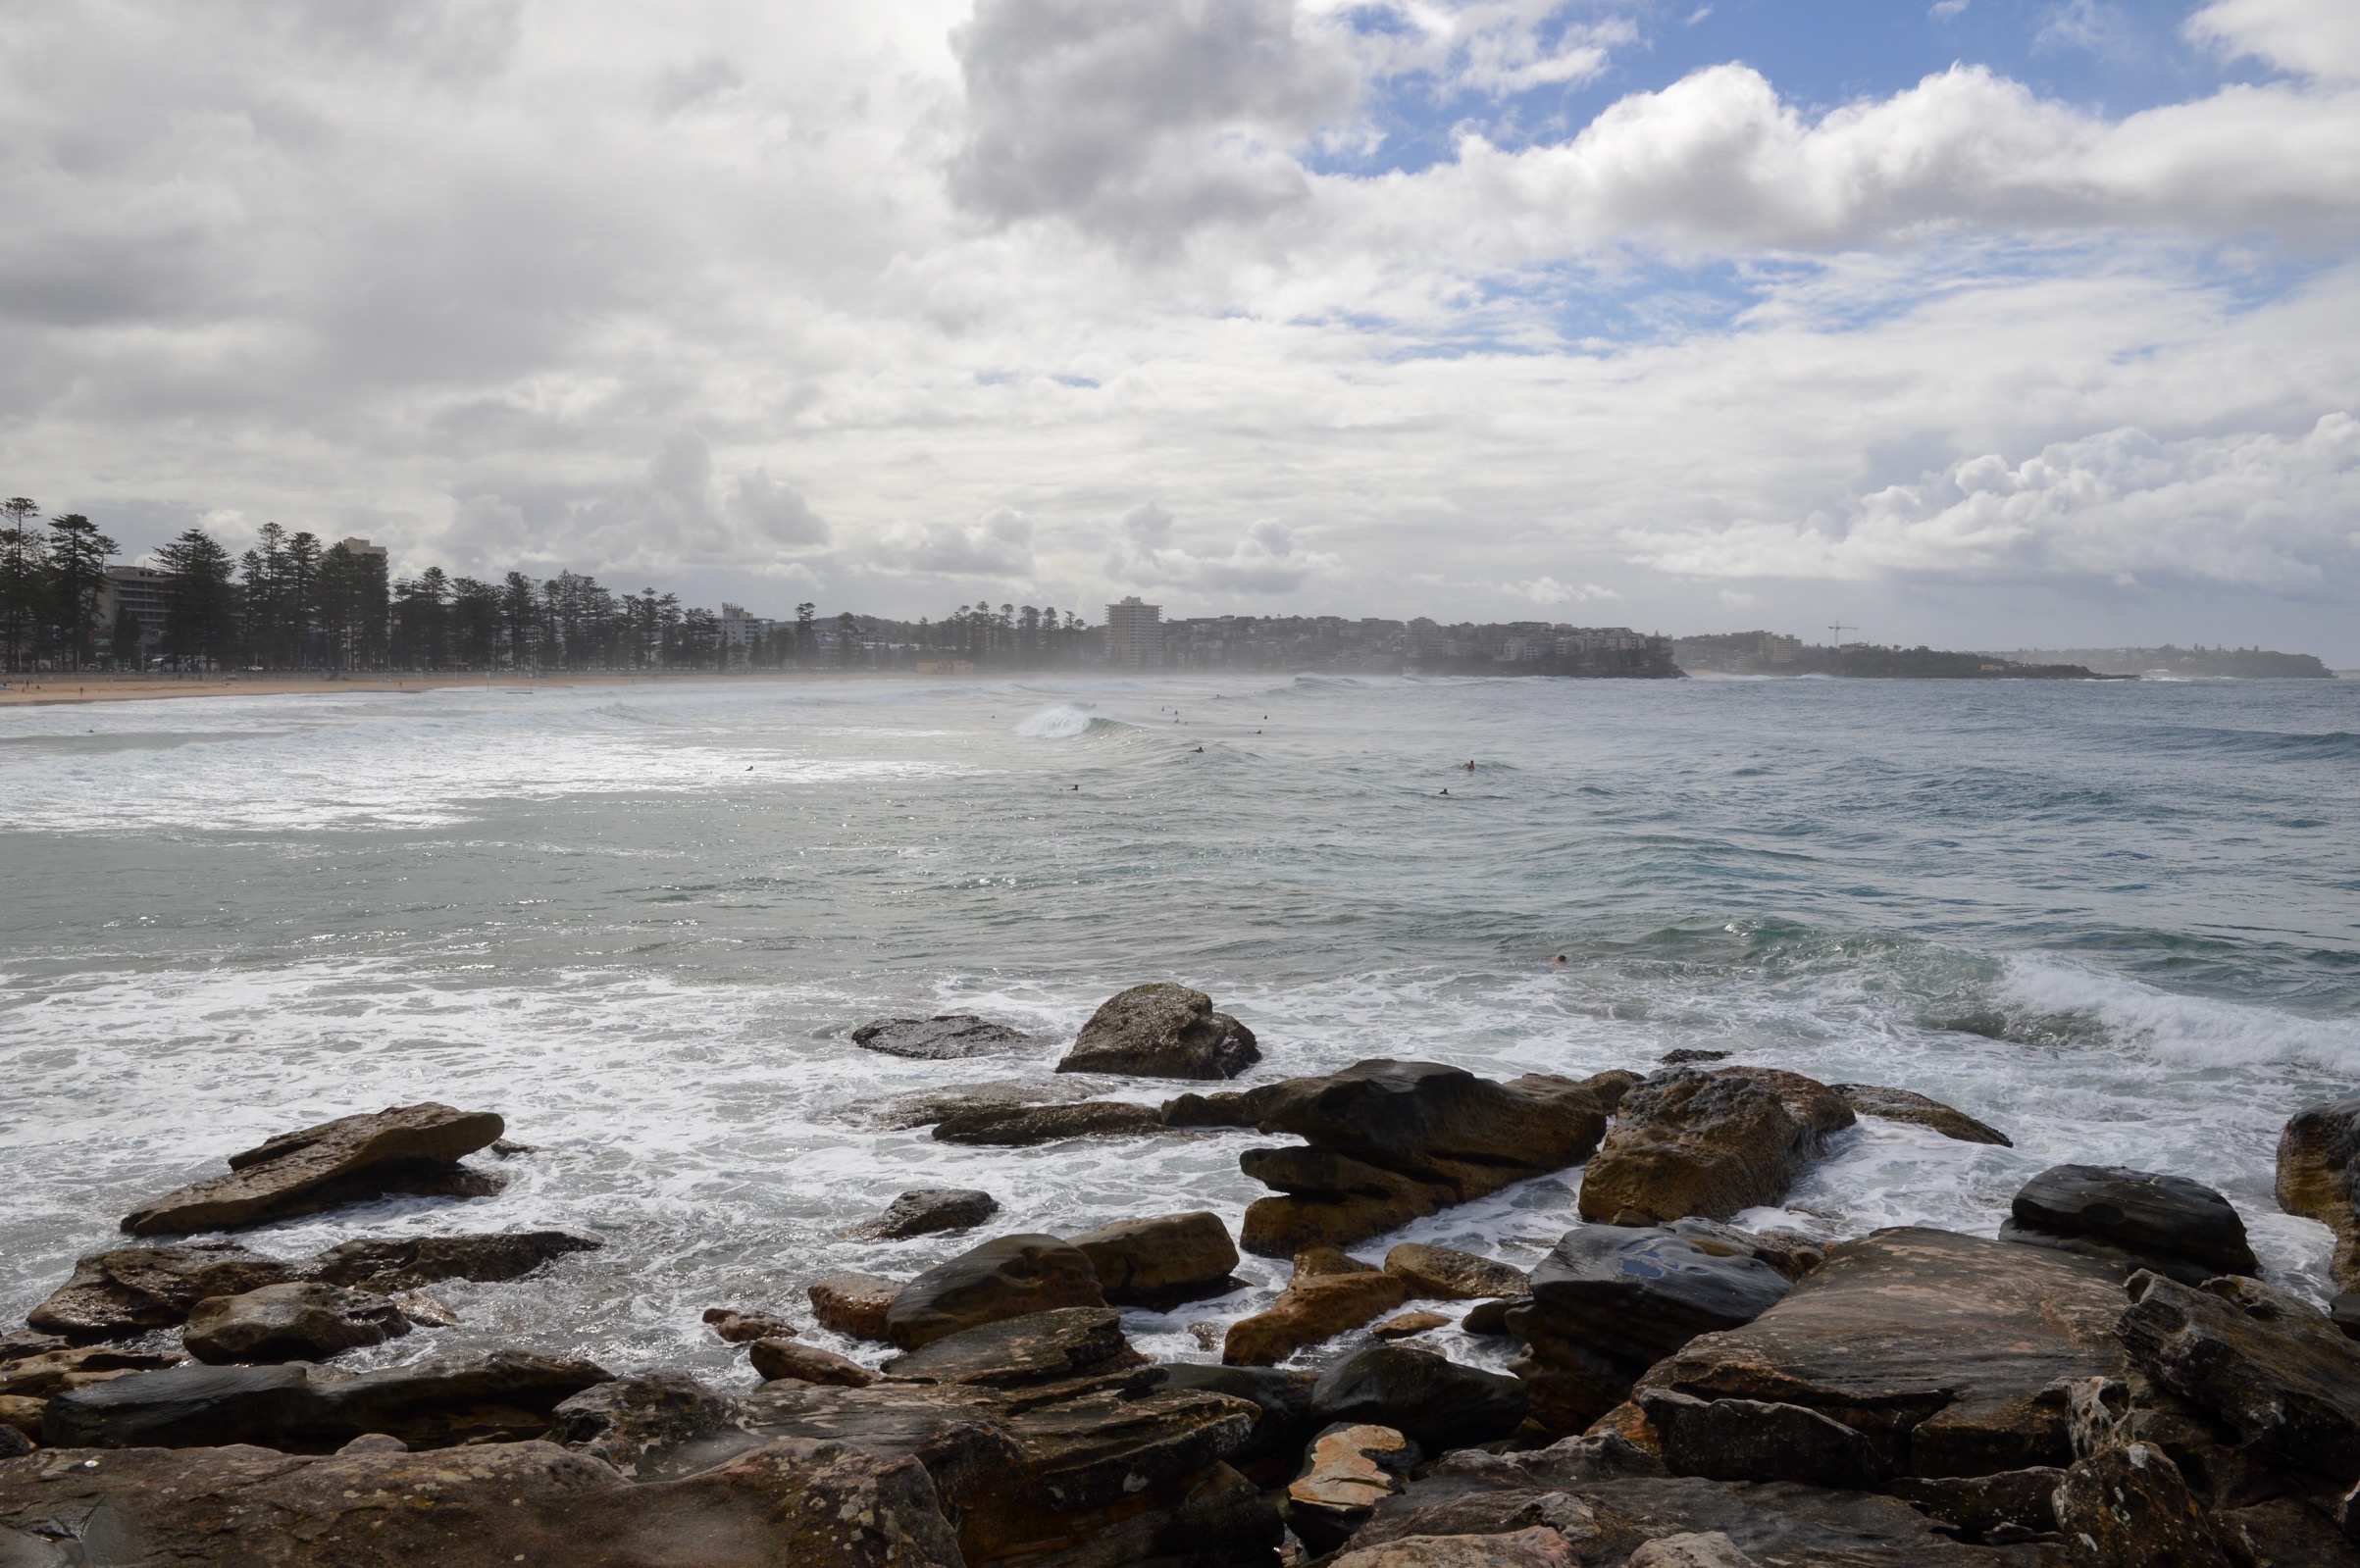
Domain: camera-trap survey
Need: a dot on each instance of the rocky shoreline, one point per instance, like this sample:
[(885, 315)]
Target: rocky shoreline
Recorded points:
[(2108, 1382)]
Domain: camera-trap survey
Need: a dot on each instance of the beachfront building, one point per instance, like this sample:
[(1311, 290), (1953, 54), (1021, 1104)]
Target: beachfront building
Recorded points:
[(138, 589), (1134, 635)]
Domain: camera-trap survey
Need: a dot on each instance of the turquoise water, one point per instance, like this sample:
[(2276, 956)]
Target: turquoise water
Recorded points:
[(2120, 921)]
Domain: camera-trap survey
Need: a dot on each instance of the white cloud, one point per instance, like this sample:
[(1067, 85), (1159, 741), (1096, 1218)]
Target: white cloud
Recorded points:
[(1263, 561), (998, 545), (2309, 37), (1547, 590)]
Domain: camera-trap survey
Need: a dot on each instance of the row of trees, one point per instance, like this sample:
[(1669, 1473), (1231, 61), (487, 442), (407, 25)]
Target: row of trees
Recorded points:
[(51, 580)]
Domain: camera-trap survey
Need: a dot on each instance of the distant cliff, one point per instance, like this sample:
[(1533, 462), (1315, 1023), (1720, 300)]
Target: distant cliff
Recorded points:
[(1766, 653), (2244, 664)]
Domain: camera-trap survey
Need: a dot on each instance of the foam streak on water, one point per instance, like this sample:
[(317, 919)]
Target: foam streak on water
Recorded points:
[(2122, 922)]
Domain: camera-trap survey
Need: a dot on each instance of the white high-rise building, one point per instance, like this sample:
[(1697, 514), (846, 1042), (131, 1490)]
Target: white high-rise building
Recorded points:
[(1134, 635)]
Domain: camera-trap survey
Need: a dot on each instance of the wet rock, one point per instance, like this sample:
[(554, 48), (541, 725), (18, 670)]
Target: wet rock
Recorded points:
[(2345, 1310), (1161, 1262), (1434, 1401), (1792, 1255), (1038, 1347), (2165, 1222), (1816, 1105), (1329, 1294), (789, 1359), (77, 1367), (1754, 1440), (1538, 1547), (1691, 1056), (24, 1413), (1161, 1030), (1008, 1277), (12, 1444), (289, 1323), (1939, 1348), (1489, 1317), (944, 1038), (923, 1107), (129, 1289), (2129, 1508), (1901, 1105), (1708, 1549), (853, 1305), (1284, 1422), (2007, 1506), (1610, 1302), (1021, 1126), (1444, 1274), (1347, 1472), (404, 1263), (2283, 1532), (925, 1210), (744, 1328), (2317, 1177), (24, 1343), (1688, 1142), (407, 1148), (651, 1426), (533, 1502), (425, 1310), (2287, 1384), (1409, 1325), (310, 1409), (1391, 1141)]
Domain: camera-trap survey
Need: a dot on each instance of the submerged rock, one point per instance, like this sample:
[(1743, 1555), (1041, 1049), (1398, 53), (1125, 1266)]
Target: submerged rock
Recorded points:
[(1008, 1277), (853, 1305), (1161, 1030), (1432, 1401), (2318, 1177), (923, 1107), (411, 1149), (2175, 1226), (296, 1322), (1329, 1294), (1901, 1105), (491, 1506), (944, 1038), (403, 1263), (925, 1210), (1021, 1126), (1389, 1141), (1688, 1142), (1610, 1302), (1163, 1261)]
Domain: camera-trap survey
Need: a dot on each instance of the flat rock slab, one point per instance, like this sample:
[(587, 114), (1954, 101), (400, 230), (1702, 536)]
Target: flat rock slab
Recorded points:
[(532, 1502), (1038, 1347), (1022, 1126), (2168, 1218), (1161, 1030), (1935, 1347), (1902, 1105), (944, 1038), (1444, 1274), (926, 1210), (401, 1148), (1161, 1261), (1008, 1277), (923, 1107)]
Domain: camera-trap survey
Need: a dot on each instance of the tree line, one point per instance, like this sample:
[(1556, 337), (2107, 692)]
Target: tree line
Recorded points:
[(293, 603)]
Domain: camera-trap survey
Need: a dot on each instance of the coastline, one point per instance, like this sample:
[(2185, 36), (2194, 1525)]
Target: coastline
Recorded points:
[(108, 687)]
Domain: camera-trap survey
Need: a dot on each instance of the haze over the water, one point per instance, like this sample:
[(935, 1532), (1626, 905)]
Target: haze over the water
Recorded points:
[(1983, 323)]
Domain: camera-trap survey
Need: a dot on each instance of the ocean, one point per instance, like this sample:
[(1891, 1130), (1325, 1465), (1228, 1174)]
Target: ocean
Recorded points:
[(2119, 921)]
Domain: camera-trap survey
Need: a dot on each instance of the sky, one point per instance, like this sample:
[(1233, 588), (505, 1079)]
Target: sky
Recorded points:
[(1979, 323)]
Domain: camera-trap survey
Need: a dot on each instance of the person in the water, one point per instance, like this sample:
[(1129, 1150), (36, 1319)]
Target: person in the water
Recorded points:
[(1557, 961)]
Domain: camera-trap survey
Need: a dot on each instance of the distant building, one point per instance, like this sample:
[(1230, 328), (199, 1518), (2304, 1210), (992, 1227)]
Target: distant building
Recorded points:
[(1134, 635), (361, 546), (138, 589)]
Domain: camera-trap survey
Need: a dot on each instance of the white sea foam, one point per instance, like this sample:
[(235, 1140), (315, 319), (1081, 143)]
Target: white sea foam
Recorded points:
[(1061, 722)]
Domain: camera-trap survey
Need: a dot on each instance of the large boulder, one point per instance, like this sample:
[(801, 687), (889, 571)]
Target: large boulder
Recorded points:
[(1038, 1347), (1007, 1277), (788, 1502), (1940, 1350), (1754, 1440), (2165, 1223), (925, 1210), (1434, 1401), (1389, 1141), (409, 1148), (131, 1289), (1329, 1295), (296, 1322), (1022, 1126), (2319, 1177), (1610, 1302), (2284, 1380), (1163, 1261), (944, 1038), (853, 1305), (1161, 1030), (304, 1409), (1902, 1105), (1690, 1141)]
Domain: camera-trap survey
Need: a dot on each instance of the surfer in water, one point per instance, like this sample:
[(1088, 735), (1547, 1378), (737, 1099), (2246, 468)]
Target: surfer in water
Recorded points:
[(1559, 962), (1470, 767)]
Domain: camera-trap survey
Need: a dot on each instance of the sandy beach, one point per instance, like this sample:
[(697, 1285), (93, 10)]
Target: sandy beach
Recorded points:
[(103, 686)]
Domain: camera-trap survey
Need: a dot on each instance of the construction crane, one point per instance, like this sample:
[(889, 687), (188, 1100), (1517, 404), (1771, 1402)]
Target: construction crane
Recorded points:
[(1839, 631)]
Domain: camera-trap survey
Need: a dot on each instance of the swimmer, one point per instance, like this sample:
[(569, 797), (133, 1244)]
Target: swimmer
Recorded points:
[(1558, 961), (1200, 751), (1470, 767), (1445, 791)]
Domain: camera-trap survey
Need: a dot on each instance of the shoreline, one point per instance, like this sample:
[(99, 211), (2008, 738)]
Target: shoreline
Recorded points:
[(108, 687)]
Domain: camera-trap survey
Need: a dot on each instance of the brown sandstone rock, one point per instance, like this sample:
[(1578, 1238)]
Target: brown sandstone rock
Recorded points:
[(744, 1328), (1537, 1547), (922, 1211), (651, 1426), (1691, 1549), (1349, 1470), (1409, 1325), (1901, 1105), (1687, 1141), (403, 1148), (1161, 1030), (1022, 1126), (1819, 1106), (854, 1304), (1163, 1261), (774, 1359), (1007, 1277), (1014, 1352), (2318, 1177), (786, 1504), (1329, 1295), (1444, 1274), (2129, 1508), (56, 1371), (294, 1322), (22, 1413)]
